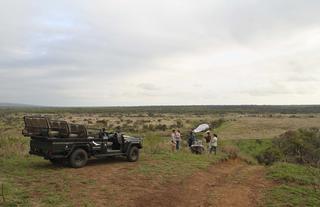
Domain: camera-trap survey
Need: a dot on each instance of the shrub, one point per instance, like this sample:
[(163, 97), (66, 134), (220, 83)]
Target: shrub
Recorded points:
[(300, 146), (217, 123), (162, 127), (179, 123), (270, 155), (231, 151)]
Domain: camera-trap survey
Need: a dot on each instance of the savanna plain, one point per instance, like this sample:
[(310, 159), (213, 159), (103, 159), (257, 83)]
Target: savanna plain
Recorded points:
[(267, 156)]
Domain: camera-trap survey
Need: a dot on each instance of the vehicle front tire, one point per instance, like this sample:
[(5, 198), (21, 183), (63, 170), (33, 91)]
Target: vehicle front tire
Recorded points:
[(133, 154), (78, 158)]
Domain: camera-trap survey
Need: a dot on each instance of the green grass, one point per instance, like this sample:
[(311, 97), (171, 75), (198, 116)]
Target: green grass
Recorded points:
[(252, 147), (249, 149), (157, 158), (293, 173), (21, 175), (297, 185), (181, 163), (291, 195)]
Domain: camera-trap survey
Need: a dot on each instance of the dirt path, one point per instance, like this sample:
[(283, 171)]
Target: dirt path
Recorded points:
[(232, 183)]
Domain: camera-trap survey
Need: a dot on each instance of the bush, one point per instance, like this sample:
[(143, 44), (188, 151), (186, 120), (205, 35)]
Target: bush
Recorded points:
[(270, 156), (231, 151), (301, 146), (217, 123)]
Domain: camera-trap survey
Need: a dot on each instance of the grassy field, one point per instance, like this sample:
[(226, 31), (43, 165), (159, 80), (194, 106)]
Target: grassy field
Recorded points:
[(31, 181), (298, 185)]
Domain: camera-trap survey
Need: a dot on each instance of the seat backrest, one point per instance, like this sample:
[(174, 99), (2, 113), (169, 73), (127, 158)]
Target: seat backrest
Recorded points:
[(36, 125), (60, 126), (79, 130)]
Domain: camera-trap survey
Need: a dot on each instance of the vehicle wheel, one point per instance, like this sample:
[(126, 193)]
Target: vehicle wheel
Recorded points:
[(78, 158), (133, 154)]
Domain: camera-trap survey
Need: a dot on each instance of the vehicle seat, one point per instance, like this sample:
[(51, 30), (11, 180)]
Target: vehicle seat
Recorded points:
[(77, 131), (53, 133), (115, 140)]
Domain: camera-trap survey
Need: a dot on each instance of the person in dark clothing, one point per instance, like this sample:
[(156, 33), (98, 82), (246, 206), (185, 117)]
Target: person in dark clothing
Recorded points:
[(191, 138), (103, 133)]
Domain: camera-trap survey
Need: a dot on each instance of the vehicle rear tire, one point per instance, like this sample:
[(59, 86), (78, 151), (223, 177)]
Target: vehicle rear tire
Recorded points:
[(78, 158), (133, 154)]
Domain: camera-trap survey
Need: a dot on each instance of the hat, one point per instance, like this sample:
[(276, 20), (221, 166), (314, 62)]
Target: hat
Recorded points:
[(208, 131)]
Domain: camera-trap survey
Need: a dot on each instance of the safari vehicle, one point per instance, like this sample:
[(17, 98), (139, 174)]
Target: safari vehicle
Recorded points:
[(73, 144)]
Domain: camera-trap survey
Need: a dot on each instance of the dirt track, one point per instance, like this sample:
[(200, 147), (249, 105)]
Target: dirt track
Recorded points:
[(232, 183)]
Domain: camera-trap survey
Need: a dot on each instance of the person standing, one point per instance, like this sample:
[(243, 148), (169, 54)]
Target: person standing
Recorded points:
[(192, 138), (208, 138), (214, 144), (173, 140), (178, 139)]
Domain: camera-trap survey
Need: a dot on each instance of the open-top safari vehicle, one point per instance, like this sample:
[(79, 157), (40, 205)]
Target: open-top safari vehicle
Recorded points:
[(74, 144), (197, 146)]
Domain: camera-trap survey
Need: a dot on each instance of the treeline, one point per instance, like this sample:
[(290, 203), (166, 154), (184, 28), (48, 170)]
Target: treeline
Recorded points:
[(196, 109)]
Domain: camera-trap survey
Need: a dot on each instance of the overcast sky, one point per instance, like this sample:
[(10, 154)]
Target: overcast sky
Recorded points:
[(144, 52)]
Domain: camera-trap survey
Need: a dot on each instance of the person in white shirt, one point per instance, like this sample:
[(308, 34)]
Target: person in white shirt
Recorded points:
[(178, 139), (173, 140), (214, 144)]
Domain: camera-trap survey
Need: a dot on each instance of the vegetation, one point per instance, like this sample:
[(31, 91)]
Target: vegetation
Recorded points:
[(151, 110), (31, 181), (301, 146), (298, 185)]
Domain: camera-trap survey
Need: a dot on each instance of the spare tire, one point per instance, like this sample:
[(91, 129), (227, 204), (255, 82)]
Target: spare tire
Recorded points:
[(78, 158)]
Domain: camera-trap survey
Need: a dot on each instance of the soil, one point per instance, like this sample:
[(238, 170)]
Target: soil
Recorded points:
[(231, 183)]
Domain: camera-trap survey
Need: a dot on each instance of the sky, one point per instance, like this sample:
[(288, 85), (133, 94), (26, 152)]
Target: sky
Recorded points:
[(145, 52)]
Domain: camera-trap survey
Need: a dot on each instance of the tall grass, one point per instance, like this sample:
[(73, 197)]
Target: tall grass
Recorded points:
[(13, 146)]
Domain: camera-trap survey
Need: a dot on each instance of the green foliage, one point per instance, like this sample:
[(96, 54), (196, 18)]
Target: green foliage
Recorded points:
[(270, 155), (301, 146)]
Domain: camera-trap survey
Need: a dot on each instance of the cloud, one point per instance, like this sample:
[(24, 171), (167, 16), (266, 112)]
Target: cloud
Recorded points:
[(165, 52), (148, 86)]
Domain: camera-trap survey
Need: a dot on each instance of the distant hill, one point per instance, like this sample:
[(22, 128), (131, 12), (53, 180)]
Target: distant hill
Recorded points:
[(13, 105), (151, 110)]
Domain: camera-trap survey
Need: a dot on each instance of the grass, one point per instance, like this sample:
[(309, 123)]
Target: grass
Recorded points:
[(21, 176), (32, 181), (298, 185), (290, 195), (249, 149), (179, 164), (158, 160), (293, 173)]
